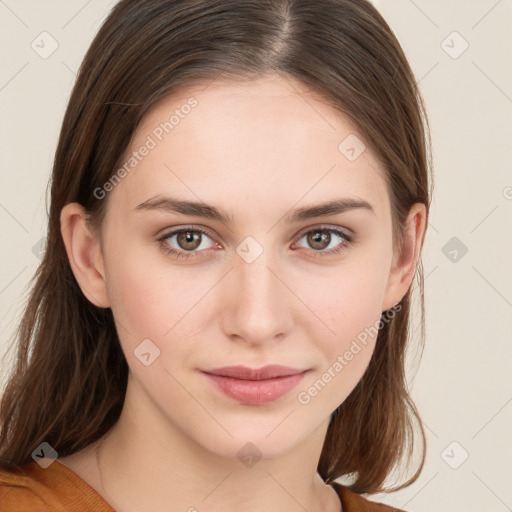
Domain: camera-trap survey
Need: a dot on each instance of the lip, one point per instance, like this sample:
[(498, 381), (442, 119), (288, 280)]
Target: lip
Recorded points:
[(256, 386), (245, 373)]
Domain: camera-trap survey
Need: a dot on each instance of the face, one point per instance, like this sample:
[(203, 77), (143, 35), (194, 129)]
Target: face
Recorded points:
[(256, 278)]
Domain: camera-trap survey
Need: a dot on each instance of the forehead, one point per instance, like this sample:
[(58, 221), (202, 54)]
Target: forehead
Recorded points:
[(270, 141)]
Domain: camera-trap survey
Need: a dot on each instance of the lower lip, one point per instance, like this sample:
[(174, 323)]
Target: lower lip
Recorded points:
[(255, 392)]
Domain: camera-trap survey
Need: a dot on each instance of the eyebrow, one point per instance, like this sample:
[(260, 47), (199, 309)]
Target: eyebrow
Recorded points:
[(198, 209)]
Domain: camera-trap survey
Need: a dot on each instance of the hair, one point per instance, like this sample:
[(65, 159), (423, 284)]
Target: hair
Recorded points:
[(68, 383)]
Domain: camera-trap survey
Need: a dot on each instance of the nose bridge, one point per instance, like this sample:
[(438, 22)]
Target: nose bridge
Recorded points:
[(259, 307), (253, 270), (257, 284)]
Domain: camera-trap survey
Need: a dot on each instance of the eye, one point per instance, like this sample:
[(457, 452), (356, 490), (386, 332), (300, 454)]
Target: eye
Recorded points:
[(324, 237), (185, 242)]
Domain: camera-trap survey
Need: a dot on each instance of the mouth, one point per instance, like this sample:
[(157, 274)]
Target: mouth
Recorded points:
[(255, 386), (246, 373)]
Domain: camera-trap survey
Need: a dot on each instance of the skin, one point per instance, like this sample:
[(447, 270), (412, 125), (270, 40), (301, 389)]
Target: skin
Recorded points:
[(257, 150)]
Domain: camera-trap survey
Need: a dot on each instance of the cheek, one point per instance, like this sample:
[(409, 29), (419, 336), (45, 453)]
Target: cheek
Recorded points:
[(136, 297), (152, 299), (349, 298), (145, 298), (348, 302)]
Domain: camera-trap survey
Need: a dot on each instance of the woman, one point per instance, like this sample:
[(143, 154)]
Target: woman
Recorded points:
[(239, 200)]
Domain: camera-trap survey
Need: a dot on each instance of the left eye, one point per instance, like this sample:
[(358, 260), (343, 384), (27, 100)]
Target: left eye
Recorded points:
[(321, 238)]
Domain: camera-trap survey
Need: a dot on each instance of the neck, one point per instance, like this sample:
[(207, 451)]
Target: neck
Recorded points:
[(140, 468)]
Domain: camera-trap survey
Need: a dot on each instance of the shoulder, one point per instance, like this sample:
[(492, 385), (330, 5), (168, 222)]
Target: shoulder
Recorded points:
[(54, 488), (20, 491), (353, 502)]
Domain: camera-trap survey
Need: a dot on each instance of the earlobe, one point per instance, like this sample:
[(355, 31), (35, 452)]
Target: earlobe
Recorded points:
[(404, 265), (84, 254)]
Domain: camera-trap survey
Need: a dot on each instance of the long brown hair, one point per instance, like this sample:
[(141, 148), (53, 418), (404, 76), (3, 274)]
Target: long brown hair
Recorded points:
[(70, 376)]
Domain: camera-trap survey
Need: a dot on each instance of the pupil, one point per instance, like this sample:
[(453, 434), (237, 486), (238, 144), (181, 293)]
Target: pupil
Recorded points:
[(188, 240), (318, 237)]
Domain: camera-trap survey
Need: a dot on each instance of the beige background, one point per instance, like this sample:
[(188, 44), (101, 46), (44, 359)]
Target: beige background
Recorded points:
[(463, 386)]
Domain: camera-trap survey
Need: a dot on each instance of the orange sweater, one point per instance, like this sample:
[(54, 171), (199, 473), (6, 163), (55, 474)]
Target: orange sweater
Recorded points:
[(57, 488)]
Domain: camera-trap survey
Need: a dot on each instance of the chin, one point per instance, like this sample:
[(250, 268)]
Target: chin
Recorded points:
[(254, 440)]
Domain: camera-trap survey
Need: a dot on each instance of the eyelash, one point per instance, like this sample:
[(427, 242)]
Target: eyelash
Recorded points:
[(348, 240)]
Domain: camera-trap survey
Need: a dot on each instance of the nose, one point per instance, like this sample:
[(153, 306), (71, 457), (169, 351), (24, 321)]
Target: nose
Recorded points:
[(259, 306)]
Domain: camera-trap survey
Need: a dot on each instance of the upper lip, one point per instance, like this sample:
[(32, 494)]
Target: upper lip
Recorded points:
[(246, 373)]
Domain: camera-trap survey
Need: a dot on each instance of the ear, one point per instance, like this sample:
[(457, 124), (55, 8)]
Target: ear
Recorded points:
[(84, 254), (404, 265)]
